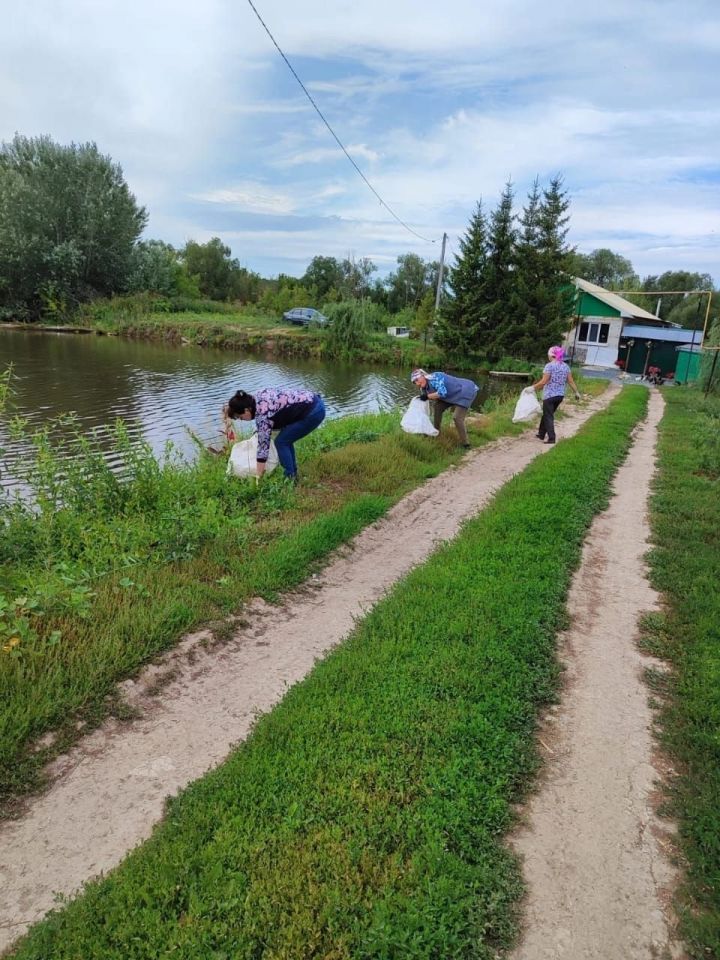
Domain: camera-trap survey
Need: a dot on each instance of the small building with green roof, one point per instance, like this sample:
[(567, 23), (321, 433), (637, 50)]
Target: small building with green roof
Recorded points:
[(608, 330)]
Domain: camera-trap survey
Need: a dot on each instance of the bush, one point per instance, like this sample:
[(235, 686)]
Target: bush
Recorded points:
[(348, 330)]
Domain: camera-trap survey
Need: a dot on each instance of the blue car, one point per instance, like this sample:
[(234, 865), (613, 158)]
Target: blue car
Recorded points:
[(303, 316)]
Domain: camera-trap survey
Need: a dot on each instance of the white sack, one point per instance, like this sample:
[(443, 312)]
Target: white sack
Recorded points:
[(416, 420), (527, 406), (243, 458)]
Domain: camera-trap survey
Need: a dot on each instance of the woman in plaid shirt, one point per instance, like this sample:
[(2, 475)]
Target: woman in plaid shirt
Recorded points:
[(294, 412)]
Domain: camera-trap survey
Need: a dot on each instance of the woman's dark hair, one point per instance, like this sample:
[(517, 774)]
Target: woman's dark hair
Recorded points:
[(240, 402)]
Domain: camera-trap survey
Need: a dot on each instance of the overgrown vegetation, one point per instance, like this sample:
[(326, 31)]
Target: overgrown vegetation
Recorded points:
[(365, 815), (685, 567)]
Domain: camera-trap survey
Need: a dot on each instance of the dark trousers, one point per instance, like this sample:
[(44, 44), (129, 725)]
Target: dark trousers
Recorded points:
[(439, 408), (547, 423), (284, 441)]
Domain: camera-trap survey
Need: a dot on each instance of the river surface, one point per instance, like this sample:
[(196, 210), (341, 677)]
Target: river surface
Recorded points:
[(160, 390)]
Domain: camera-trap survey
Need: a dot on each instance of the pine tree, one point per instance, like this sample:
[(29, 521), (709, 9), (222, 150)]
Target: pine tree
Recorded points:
[(518, 336), (539, 305), (462, 324), (554, 291), (500, 274)]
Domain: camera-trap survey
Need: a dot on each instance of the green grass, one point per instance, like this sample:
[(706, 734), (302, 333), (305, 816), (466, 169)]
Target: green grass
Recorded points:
[(365, 816), (111, 573), (685, 567)]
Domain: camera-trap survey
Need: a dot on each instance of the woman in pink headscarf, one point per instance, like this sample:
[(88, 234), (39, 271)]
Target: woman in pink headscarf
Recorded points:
[(556, 374)]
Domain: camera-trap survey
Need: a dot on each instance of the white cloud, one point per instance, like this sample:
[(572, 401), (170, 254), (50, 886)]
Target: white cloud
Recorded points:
[(249, 197), (438, 105)]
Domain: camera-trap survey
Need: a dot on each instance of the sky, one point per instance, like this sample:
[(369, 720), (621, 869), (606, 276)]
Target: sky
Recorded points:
[(439, 105)]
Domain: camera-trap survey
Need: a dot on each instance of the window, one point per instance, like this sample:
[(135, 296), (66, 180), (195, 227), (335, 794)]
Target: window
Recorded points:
[(594, 333)]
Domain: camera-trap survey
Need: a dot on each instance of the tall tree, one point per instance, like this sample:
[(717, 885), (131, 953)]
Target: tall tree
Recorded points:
[(323, 275), (213, 266), (518, 334), (463, 316), (355, 281), (68, 224), (554, 291), (156, 267), (682, 280), (500, 280), (606, 268), (409, 283)]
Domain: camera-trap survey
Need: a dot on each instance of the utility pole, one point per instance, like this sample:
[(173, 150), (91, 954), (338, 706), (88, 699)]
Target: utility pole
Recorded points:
[(440, 273)]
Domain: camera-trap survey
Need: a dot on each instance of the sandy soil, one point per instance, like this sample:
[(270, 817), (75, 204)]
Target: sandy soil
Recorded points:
[(595, 853), (110, 790)]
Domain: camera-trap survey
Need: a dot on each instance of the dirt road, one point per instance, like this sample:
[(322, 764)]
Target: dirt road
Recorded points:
[(594, 849), (110, 790)]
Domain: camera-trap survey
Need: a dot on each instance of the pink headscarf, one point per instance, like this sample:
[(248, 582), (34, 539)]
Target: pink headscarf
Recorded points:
[(557, 353)]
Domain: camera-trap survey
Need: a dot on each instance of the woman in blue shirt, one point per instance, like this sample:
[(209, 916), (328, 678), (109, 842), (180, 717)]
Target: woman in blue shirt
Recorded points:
[(556, 374), (447, 391)]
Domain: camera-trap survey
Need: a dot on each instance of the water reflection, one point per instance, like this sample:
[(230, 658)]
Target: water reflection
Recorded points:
[(160, 390)]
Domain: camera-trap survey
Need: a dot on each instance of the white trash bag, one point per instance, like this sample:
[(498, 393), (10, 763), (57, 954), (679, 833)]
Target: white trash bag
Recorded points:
[(416, 420), (243, 458), (527, 406)]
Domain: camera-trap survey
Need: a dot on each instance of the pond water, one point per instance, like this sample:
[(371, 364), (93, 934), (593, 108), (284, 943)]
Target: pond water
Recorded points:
[(161, 390)]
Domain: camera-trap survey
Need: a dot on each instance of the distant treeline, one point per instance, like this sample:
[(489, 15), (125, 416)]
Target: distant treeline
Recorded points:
[(70, 234)]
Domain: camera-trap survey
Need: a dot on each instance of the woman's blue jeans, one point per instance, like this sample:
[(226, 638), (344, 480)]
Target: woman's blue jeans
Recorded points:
[(295, 431)]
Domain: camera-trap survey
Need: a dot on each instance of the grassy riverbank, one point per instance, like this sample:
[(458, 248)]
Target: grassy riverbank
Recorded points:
[(112, 570), (365, 815), (243, 328), (685, 566), (211, 323)]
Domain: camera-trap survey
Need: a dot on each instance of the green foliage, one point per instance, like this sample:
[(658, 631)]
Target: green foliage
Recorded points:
[(691, 311), (156, 268), (375, 316), (606, 268), (365, 817), (117, 312), (322, 275), (463, 318), (685, 567), (348, 329), (706, 435), (280, 297), (677, 303), (68, 223), (510, 292), (710, 361), (539, 298), (410, 282), (217, 274)]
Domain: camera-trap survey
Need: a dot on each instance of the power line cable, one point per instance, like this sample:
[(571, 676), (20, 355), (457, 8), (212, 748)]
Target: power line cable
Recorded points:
[(335, 136)]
